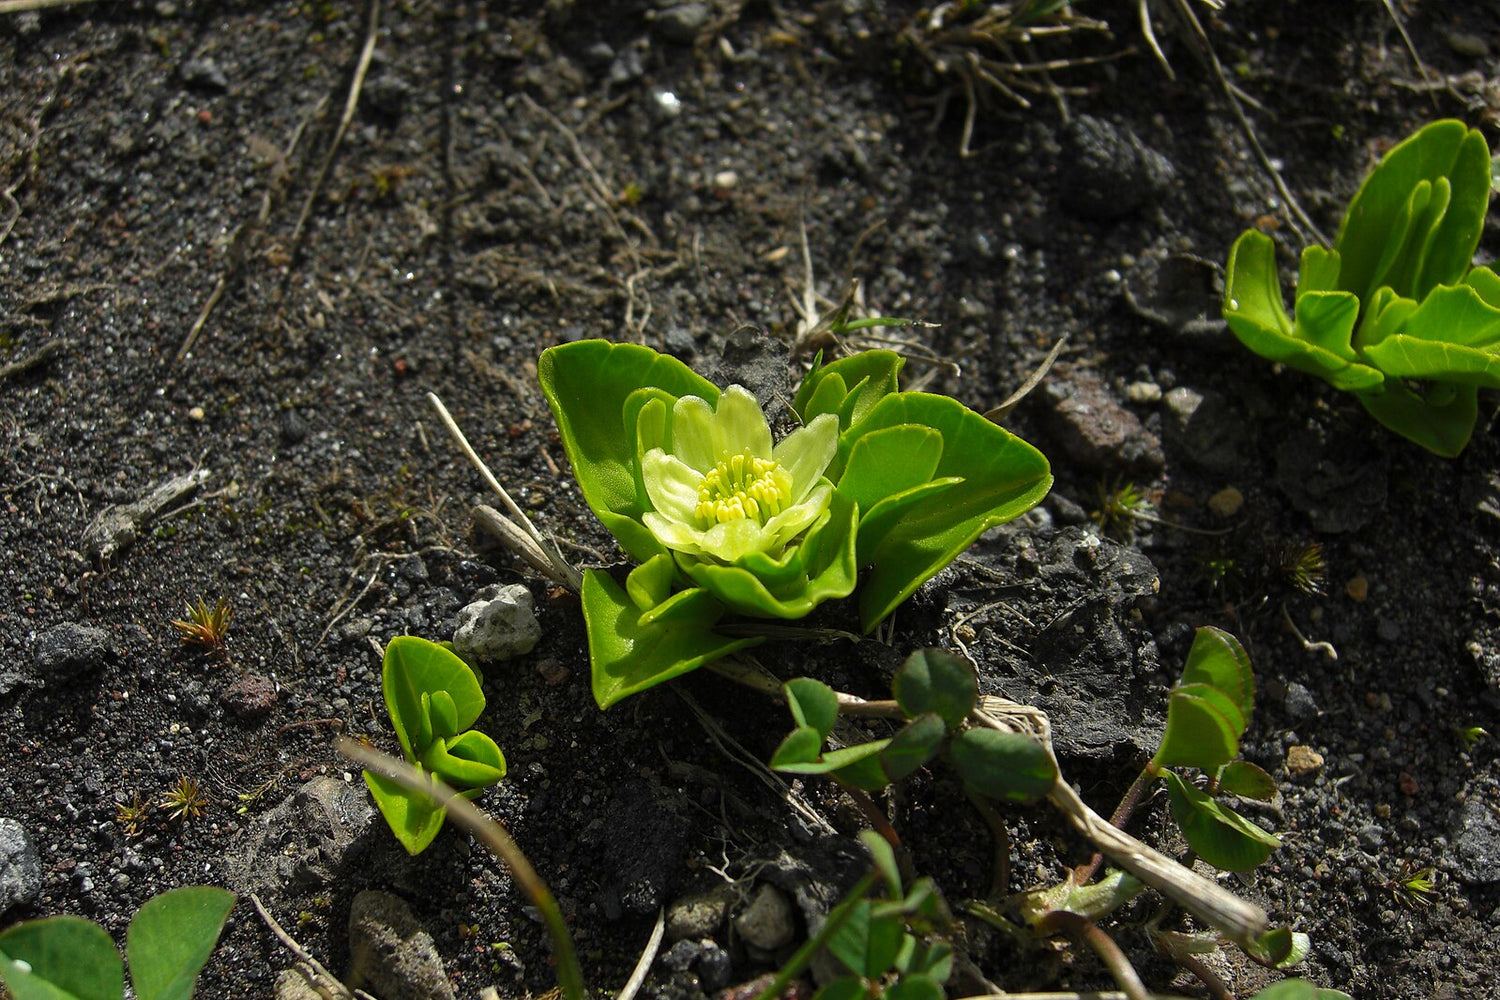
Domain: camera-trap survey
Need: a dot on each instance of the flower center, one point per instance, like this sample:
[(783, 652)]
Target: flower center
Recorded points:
[(743, 486)]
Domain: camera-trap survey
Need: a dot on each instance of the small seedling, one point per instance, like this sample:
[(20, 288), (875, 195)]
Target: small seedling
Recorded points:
[(1413, 886), (205, 626), (132, 815), (168, 942), (433, 697), (1394, 312), (1121, 505), (1469, 736), (1303, 567), (184, 800)]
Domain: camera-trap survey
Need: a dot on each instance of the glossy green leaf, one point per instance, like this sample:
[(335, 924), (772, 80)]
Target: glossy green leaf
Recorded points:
[(1006, 766), (1441, 421), (66, 958), (651, 583), (935, 680), (630, 652), (1242, 778), (413, 668), (1452, 336), (1388, 233), (862, 380), (914, 745), (171, 938), (1221, 836), (1217, 659), (412, 818), (1002, 478), (821, 568), (587, 385), (889, 461), (1203, 729), (1318, 343), (812, 703), (865, 944), (469, 760)]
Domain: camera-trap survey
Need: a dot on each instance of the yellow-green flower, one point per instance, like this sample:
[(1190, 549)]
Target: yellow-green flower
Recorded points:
[(724, 492)]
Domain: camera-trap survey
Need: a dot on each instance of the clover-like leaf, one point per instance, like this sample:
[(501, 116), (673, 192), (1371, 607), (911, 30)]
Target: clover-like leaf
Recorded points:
[(867, 945), (914, 744), (1001, 477), (1011, 767), (935, 680), (59, 958), (630, 651), (413, 671), (812, 703), (1216, 658), (1221, 836), (171, 937), (915, 986), (1242, 778), (1203, 729)]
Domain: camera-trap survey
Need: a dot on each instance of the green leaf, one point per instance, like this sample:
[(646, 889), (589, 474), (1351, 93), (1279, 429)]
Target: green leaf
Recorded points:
[(69, 958), (812, 703), (865, 944), (858, 766), (916, 986), (1217, 658), (935, 680), (915, 744), (651, 583), (1006, 766), (1441, 422), (1242, 778), (1002, 478), (803, 745), (872, 374), (631, 652), (171, 938), (468, 761), (1453, 336), (413, 818), (1385, 234), (821, 568), (1319, 343), (933, 959), (885, 860), (889, 461), (1203, 729), (413, 668), (1221, 836), (587, 385), (1299, 989), (844, 988), (1279, 947)]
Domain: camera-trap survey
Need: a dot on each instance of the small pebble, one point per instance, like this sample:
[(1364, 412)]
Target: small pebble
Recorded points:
[(1358, 587), (726, 179), (1143, 392), (1464, 44), (1303, 761), (196, 414), (1227, 502)]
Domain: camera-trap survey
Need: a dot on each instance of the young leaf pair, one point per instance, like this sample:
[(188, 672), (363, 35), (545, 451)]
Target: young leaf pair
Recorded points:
[(936, 691), (68, 958), (1393, 313), (433, 697), (1206, 715), (877, 488)]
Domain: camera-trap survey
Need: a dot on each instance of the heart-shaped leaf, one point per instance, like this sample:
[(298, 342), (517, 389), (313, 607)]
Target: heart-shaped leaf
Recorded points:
[(61, 958), (1006, 766), (935, 680), (1221, 836), (915, 744)]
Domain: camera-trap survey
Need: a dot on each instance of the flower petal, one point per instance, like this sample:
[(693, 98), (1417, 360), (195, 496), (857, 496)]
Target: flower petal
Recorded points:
[(693, 433), (729, 540), (806, 452), (674, 534), (791, 522), (740, 425), (671, 485)]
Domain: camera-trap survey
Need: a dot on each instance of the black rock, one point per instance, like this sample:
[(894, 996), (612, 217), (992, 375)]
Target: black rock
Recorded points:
[(1106, 172), (65, 651)]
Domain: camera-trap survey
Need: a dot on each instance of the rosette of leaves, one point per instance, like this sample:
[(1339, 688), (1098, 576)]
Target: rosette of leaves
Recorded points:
[(1393, 313), (1207, 713), (877, 490), (433, 697)]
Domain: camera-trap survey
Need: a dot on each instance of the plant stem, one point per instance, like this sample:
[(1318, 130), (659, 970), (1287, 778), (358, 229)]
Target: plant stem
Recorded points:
[(1103, 945), (1000, 870), (810, 948), (495, 837), (1120, 817)]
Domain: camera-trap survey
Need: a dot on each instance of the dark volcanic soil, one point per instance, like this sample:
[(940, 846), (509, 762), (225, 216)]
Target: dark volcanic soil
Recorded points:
[(515, 178)]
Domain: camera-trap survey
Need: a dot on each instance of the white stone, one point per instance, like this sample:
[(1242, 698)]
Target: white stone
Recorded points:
[(500, 624)]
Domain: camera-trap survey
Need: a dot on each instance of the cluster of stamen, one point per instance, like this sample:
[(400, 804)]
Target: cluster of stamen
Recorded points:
[(743, 486)]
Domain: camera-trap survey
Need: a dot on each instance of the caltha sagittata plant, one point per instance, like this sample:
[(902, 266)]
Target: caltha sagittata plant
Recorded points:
[(877, 490)]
